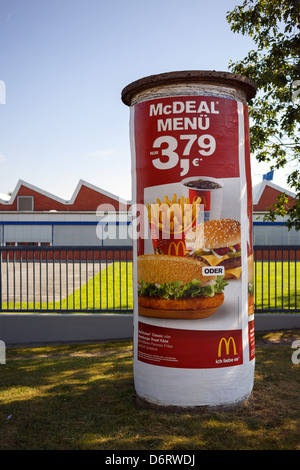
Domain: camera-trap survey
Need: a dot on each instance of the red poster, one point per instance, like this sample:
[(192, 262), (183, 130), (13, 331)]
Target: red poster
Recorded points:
[(178, 141), (188, 180), (191, 349), (251, 340), (185, 138)]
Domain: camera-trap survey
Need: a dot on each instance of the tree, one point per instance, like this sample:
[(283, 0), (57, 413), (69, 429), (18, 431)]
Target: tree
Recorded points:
[(275, 67)]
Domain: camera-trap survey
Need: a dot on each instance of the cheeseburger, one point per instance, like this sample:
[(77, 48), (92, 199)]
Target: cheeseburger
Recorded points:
[(174, 287), (217, 243)]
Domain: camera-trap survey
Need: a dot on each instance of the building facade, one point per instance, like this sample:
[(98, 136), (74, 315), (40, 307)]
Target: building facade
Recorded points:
[(271, 233), (92, 217)]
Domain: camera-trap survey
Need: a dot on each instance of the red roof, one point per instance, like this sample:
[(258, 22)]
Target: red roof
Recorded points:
[(86, 197), (265, 194)]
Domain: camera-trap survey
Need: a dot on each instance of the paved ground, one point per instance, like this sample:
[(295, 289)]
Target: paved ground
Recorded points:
[(45, 282)]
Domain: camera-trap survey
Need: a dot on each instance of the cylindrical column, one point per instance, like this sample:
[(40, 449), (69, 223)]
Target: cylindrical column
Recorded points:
[(193, 299)]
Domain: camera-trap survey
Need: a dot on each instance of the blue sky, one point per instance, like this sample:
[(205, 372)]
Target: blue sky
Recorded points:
[(64, 64)]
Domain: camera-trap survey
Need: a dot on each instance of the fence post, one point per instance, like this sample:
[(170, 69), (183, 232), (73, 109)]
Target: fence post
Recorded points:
[(0, 279)]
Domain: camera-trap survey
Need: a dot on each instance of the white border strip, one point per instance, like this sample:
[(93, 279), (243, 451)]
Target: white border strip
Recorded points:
[(244, 231)]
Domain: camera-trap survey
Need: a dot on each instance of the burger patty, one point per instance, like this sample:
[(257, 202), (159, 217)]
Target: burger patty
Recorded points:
[(194, 303), (228, 263), (231, 263)]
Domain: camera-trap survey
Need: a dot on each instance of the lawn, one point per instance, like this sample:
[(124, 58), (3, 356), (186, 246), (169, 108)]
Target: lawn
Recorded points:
[(81, 397), (110, 289), (277, 285)]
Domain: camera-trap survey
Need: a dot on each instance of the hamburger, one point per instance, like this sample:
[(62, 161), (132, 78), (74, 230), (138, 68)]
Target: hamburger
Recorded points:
[(174, 287), (217, 243)]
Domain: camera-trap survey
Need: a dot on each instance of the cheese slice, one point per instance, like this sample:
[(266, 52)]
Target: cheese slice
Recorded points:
[(213, 260), (236, 272)]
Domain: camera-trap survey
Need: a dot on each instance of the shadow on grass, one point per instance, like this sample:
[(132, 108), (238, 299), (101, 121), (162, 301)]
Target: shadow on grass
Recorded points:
[(82, 397)]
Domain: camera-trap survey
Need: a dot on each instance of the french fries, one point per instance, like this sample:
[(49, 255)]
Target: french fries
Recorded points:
[(175, 215)]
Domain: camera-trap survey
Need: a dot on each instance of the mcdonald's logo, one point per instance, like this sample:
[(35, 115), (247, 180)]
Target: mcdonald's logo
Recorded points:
[(176, 247), (203, 200), (227, 343)]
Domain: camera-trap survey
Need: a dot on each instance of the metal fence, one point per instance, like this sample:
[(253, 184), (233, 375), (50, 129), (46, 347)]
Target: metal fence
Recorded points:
[(277, 279), (66, 279), (99, 279)]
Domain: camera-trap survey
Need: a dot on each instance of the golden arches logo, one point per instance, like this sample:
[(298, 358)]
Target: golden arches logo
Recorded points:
[(227, 346), (203, 200), (176, 247)]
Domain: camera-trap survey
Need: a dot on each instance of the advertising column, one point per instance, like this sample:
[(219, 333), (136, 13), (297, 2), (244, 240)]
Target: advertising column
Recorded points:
[(193, 289)]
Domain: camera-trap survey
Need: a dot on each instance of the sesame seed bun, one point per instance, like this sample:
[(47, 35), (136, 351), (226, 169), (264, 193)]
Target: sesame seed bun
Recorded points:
[(213, 234), (164, 268)]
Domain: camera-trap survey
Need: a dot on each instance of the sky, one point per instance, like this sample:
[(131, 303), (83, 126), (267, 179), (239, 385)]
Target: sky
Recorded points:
[(63, 66)]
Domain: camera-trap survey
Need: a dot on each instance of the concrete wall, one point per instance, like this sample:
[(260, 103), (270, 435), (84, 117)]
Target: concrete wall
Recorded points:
[(276, 321), (58, 328)]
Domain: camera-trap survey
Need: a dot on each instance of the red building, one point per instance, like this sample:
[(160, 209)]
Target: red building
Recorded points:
[(34, 216), (265, 195), (276, 233), (86, 197)]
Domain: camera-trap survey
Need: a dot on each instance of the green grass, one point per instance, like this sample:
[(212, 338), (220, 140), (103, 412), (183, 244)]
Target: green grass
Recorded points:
[(110, 289), (81, 397), (277, 284)]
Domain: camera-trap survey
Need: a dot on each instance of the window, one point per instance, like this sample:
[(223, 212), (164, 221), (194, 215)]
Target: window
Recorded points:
[(25, 203)]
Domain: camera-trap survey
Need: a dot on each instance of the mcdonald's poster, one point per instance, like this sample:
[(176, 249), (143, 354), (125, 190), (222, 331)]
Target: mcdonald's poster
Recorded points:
[(171, 347), (194, 273)]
